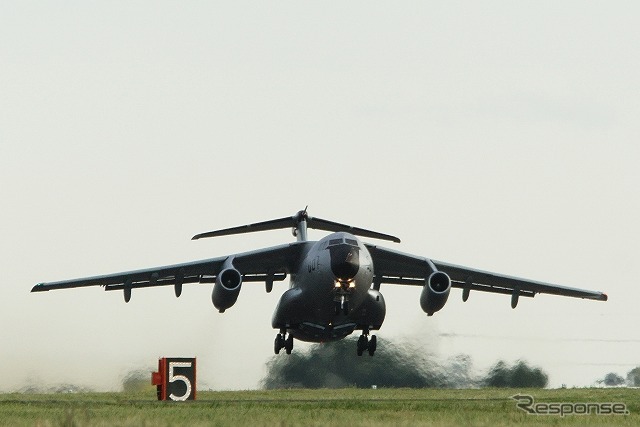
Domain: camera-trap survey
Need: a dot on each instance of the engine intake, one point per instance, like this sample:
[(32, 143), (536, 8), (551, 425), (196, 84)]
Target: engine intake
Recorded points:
[(435, 292), (226, 289)]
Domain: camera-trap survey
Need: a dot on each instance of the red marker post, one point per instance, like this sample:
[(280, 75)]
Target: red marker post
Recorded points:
[(175, 379)]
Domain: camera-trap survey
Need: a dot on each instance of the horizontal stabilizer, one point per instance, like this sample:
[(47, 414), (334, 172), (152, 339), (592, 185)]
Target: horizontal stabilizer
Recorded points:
[(273, 224), (299, 220), (323, 224)]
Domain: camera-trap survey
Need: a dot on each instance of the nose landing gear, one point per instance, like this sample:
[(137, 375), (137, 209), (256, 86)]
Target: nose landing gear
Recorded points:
[(342, 305), (342, 292)]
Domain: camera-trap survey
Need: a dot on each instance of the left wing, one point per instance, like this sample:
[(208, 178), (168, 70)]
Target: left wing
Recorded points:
[(395, 267), (262, 265)]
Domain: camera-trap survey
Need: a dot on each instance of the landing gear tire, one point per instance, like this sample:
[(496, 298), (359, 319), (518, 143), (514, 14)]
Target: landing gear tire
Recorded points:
[(288, 344), (366, 343), (278, 344), (362, 345), (372, 345), (282, 342)]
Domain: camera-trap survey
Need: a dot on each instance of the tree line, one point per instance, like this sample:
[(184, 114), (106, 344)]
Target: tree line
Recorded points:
[(614, 380)]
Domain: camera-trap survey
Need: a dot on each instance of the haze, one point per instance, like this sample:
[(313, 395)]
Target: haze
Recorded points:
[(498, 135)]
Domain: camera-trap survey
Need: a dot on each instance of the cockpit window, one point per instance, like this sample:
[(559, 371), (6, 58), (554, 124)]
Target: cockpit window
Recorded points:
[(351, 242), (335, 242)]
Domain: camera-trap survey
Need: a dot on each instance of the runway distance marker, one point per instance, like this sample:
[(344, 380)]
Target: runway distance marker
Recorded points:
[(175, 379)]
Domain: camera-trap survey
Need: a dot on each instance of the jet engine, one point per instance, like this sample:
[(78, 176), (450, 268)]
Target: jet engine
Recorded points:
[(435, 292), (226, 290)]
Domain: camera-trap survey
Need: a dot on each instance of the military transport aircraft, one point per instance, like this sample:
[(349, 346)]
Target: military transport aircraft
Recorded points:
[(334, 282)]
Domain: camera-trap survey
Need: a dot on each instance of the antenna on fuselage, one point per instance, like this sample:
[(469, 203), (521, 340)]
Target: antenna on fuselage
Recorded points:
[(299, 222)]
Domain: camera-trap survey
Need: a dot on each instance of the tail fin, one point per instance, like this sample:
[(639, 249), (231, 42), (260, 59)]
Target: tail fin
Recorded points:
[(300, 221)]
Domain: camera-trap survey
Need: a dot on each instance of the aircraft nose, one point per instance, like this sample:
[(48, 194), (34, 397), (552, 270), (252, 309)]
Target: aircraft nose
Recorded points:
[(345, 261)]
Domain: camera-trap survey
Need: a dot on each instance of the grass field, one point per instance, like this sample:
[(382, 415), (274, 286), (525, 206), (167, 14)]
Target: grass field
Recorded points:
[(348, 407)]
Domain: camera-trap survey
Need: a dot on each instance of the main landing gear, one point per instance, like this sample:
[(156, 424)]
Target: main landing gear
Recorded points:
[(365, 343), (282, 342)]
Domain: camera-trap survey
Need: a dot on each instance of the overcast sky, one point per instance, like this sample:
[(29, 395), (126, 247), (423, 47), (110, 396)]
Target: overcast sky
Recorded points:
[(499, 135)]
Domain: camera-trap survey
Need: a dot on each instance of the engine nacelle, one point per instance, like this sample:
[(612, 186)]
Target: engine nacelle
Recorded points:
[(435, 292), (226, 290)]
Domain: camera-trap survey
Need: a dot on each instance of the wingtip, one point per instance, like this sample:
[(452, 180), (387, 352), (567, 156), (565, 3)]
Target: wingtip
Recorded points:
[(38, 288)]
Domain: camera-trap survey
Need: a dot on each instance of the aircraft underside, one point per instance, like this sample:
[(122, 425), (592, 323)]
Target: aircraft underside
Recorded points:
[(327, 310)]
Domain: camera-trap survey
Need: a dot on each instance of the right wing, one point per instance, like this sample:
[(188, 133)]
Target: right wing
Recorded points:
[(262, 265), (399, 268)]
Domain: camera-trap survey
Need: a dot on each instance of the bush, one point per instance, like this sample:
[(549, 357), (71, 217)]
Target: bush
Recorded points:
[(518, 376)]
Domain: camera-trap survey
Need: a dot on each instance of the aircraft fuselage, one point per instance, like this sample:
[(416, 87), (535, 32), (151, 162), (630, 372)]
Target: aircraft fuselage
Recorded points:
[(330, 294)]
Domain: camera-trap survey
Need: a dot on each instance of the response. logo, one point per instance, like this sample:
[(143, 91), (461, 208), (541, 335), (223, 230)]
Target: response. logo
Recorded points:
[(527, 404)]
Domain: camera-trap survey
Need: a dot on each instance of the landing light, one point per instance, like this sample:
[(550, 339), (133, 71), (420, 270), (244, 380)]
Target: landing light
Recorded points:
[(345, 284)]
